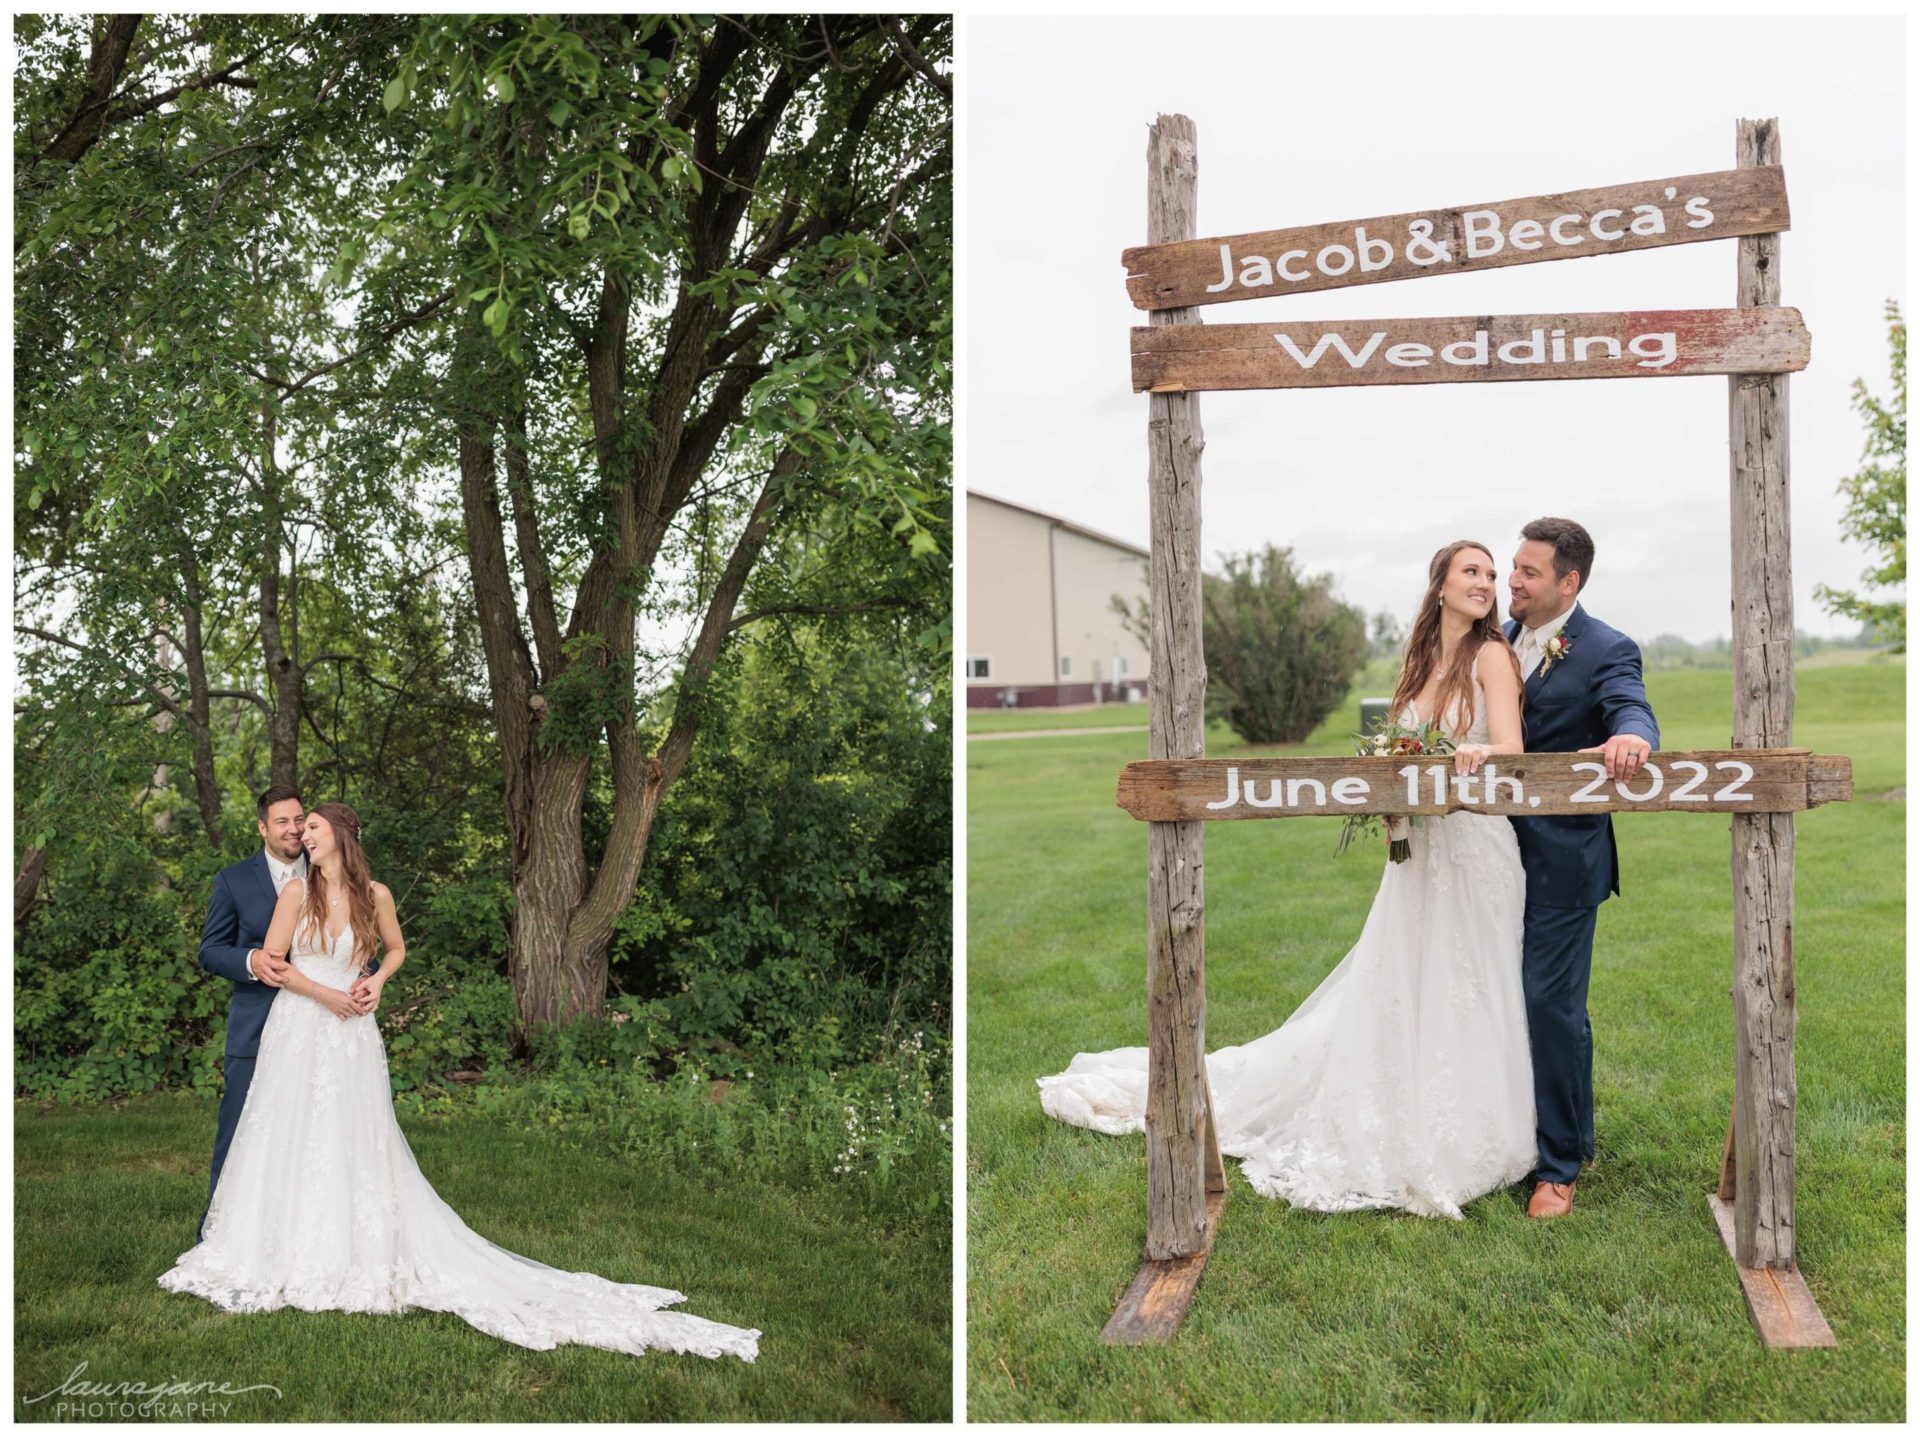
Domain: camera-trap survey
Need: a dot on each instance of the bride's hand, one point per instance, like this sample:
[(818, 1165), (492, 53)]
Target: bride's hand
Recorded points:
[(366, 994), (336, 1001), (1468, 756)]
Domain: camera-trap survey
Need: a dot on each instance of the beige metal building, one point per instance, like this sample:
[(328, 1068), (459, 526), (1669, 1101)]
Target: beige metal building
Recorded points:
[(1041, 629)]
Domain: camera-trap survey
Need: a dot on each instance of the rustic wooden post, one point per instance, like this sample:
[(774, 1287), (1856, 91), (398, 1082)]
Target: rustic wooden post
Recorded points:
[(1183, 1160), (1186, 1185), (1762, 718), (1762, 1174)]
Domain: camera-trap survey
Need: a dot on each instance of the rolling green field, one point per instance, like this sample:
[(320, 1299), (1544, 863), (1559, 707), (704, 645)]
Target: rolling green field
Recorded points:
[(855, 1313), (1629, 1310), (1018, 720)]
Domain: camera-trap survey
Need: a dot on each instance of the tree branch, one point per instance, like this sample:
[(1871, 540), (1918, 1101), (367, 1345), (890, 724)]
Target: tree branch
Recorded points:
[(897, 33), (166, 700), (109, 57)]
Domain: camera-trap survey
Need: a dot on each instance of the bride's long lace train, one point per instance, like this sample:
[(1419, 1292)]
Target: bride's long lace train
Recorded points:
[(321, 1206), (1404, 1080)]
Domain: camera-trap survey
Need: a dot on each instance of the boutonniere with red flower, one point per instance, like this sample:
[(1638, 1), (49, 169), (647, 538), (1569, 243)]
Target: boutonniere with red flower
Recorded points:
[(1557, 648)]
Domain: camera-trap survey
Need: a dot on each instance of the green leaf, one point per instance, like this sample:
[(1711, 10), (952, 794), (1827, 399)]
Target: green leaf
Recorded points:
[(922, 544), (396, 94), (671, 167), (558, 111), (805, 407), (503, 87)]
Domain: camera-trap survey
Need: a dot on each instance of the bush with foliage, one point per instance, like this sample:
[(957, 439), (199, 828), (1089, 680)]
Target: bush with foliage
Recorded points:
[(1282, 650)]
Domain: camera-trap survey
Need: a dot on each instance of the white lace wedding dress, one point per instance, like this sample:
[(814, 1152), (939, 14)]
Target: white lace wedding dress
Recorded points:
[(1404, 1080), (321, 1206)]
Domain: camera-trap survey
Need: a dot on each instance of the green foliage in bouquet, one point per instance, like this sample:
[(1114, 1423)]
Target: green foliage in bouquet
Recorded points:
[(1391, 739)]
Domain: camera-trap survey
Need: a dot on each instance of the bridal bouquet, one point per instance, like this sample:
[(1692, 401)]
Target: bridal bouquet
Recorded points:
[(1393, 739)]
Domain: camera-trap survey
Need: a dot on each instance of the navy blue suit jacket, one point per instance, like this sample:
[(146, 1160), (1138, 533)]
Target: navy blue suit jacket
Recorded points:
[(1580, 702), (237, 918)]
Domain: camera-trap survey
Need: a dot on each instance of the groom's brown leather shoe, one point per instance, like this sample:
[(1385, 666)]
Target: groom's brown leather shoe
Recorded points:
[(1550, 1200)]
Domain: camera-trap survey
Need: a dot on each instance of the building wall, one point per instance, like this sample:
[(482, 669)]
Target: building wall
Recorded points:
[(1038, 591), (1090, 636), (1009, 599)]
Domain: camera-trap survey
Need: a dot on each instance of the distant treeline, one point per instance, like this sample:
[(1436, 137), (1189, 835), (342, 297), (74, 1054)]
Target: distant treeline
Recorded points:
[(1670, 651)]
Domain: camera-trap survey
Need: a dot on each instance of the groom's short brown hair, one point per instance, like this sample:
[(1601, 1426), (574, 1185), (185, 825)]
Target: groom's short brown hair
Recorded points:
[(279, 793), (1572, 547)]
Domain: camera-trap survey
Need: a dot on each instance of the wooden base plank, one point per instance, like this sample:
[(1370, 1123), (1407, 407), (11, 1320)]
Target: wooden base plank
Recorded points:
[(1157, 1302), (1782, 1308)]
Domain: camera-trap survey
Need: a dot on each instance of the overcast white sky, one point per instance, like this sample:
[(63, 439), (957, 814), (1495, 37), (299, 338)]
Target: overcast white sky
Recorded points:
[(1306, 120)]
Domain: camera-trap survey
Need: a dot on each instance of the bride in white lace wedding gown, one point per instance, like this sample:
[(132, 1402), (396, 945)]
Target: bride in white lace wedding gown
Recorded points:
[(321, 1206), (1404, 1080)]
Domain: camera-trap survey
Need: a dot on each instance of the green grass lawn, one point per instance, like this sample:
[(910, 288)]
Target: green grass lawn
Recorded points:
[(1018, 720), (1630, 1310), (855, 1315)]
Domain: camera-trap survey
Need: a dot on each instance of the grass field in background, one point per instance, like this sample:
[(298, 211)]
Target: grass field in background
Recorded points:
[(1096, 716), (1630, 1310), (1376, 678), (855, 1316)]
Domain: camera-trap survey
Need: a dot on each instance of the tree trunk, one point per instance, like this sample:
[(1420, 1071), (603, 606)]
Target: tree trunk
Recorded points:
[(283, 674), (554, 980), (206, 787), (26, 885), (162, 724)]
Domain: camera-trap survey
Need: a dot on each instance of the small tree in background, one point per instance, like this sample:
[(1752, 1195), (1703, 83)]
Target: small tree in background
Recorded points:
[(1386, 635), (1281, 650), (1876, 513)]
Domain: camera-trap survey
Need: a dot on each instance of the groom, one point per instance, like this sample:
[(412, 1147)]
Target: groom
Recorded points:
[(1584, 692), (242, 906)]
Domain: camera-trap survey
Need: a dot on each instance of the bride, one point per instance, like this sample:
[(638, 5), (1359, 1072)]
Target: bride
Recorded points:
[(1404, 1080), (320, 1204)]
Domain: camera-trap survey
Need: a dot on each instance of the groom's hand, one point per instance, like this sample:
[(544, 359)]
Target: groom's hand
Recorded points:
[(1623, 755), (271, 968)]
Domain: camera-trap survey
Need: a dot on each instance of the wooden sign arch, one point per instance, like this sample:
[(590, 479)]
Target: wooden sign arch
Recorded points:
[(1757, 344)]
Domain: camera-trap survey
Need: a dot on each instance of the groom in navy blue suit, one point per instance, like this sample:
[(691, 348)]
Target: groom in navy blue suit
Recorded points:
[(1583, 693), (242, 906)]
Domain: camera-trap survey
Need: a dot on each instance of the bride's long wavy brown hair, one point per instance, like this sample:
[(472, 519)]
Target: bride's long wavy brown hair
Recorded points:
[(359, 884), (1423, 645)]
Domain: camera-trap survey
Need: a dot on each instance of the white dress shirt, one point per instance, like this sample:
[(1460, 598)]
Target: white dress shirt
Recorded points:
[(1531, 646), (283, 873)]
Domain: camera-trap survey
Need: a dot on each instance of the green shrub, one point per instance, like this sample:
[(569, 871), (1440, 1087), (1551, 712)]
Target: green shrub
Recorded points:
[(1281, 649)]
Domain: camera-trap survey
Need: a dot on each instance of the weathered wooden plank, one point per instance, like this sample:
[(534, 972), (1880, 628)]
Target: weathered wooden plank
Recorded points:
[(1829, 780), (1341, 353), (1521, 785), (1613, 219), (1178, 1100), (1156, 1302), (1779, 1301), (1763, 987)]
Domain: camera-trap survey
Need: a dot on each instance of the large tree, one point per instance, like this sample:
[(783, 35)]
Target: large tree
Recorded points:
[(643, 323), (702, 278)]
